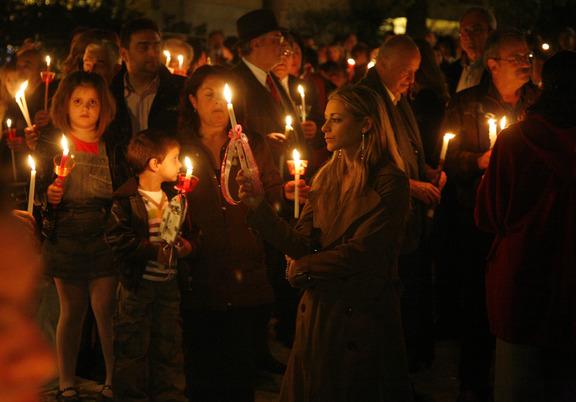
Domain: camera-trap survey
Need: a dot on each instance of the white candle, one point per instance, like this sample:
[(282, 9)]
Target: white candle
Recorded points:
[(168, 58), (189, 167), (32, 183), (180, 62), (48, 60), (302, 95), (503, 123), (447, 138), (288, 127), (296, 158), (21, 101), (228, 97), (13, 156), (492, 131)]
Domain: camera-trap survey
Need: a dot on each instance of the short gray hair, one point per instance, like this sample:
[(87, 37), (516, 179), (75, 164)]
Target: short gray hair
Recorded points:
[(395, 43), (497, 39)]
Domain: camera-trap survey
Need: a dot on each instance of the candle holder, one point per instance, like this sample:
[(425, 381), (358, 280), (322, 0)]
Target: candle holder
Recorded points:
[(186, 184), (47, 76), (292, 167), (12, 138), (63, 169)]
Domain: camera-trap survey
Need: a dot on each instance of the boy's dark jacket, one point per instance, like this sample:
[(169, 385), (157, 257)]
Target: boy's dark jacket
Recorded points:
[(128, 234)]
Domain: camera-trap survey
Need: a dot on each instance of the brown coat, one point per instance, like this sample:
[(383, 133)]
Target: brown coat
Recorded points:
[(230, 269), (348, 344)]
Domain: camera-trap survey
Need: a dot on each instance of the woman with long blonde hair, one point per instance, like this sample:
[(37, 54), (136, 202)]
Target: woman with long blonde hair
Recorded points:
[(348, 344)]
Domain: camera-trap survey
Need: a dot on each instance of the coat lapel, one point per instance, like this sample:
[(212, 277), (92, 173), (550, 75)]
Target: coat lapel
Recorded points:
[(334, 226)]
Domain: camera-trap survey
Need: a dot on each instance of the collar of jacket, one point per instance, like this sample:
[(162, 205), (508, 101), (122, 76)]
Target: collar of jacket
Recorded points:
[(130, 189)]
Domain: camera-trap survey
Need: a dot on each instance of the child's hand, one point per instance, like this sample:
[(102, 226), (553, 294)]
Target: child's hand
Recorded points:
[(55, 193), (183, 247), (163, 254)]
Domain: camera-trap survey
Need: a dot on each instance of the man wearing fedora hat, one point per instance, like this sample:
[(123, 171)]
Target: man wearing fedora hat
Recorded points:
[(265, 101)]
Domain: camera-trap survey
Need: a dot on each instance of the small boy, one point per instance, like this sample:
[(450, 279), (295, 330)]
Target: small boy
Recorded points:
[(148, 334)]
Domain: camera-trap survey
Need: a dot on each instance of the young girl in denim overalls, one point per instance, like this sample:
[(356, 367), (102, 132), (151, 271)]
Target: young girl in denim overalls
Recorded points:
[(75, 253)]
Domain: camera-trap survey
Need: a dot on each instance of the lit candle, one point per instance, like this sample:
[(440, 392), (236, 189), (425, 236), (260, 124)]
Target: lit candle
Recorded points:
[(296, 158), (180, 62), (228, 97), (189, 167), (64, 159), (21, 101), (545, 47), (492, 131), (32, 183), (168, 58), (288, 127), (503, 123), (302, 96), (47, 77), (351, 64), (371, 64), (447, 138), (11, 137)]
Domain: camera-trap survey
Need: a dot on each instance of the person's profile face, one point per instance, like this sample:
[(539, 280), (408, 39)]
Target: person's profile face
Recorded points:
[(341, 129)]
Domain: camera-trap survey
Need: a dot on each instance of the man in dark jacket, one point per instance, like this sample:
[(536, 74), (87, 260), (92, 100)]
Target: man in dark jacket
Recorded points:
[(397, 63), (476, 25), (146, 94), (506, 92)]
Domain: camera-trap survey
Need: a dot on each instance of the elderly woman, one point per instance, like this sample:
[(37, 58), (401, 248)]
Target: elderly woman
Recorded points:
[(348, 344)]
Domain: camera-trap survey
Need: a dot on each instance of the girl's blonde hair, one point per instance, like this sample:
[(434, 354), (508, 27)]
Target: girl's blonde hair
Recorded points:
[(379, 147)]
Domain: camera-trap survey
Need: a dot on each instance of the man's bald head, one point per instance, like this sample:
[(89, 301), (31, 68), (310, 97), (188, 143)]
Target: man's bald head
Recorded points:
[(397, 63)]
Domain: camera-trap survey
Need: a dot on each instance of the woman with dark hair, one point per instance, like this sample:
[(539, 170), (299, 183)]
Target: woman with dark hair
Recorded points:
[(226, 302), (527, 197), (348, 345)]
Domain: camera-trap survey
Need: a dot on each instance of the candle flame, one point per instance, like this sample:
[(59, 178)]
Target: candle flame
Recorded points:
[(31, 162), (22, 89), (301, 90), (449, 136), (503, 123), (9, 122), (227, 94), (491, 122), (351, 62), (371, 64), (545, 46), (189, 166), (289, 121), (48, 60), (180, 61), (64, 145), (296, 155)]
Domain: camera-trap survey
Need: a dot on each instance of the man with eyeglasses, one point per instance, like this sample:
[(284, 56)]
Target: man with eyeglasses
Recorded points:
[(476, 25), (507, 92)]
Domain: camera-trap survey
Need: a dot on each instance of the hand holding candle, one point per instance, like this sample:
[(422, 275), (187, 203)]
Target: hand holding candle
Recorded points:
[(302, 96), (32, 187), (228, 97)]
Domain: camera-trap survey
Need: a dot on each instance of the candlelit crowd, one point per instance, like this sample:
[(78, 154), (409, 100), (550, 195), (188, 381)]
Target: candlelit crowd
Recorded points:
[(365, 202)]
